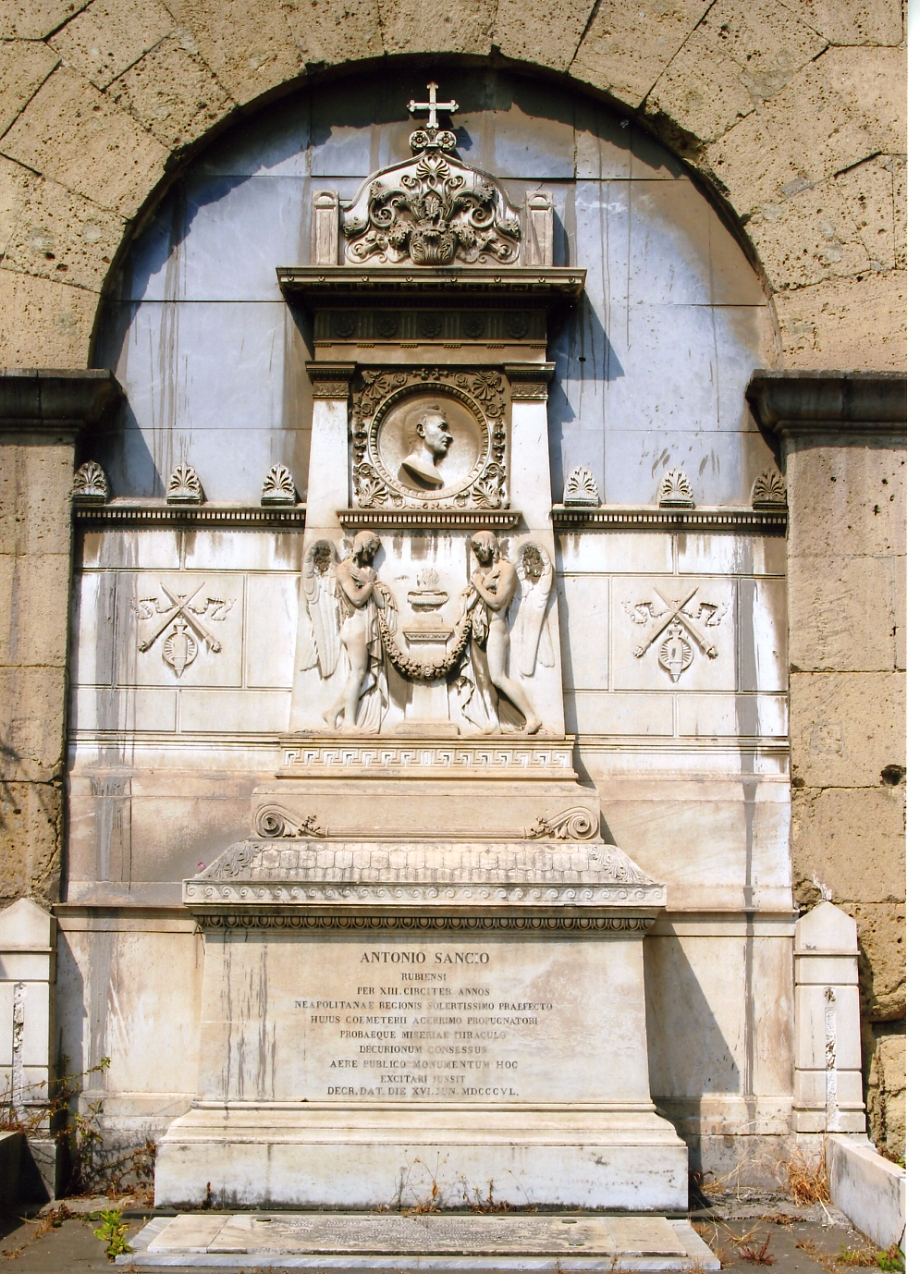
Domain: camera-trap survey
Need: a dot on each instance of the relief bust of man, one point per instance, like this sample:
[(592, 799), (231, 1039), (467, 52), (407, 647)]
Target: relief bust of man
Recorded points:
[(428, 438)]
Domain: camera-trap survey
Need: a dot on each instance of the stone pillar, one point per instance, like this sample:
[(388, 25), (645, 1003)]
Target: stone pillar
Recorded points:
[(841, 437), (27, 960), (41, 415), (828, 1073), (327, 485)]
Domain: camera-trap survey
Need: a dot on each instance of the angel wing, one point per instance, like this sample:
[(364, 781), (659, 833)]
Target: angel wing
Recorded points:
[(323, 647), (530, 635)]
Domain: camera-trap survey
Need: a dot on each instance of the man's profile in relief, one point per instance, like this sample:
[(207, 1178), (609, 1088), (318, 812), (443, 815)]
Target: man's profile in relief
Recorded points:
[(428, 438)]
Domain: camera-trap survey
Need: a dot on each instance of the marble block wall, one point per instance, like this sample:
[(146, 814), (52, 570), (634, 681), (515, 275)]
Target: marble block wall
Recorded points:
[(692, 770)]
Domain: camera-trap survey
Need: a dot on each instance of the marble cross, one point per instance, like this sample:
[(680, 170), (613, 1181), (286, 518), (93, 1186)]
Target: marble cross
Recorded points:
[(432, 106)]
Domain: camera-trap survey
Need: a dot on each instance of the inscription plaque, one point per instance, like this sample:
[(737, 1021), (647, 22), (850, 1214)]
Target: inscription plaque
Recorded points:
[(414, 1019)]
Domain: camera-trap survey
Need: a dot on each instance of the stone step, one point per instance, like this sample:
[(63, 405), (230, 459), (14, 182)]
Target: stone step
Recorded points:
[(436, 1243)]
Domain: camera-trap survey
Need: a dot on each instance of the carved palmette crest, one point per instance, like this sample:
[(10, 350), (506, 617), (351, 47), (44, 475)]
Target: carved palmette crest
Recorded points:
[(184, 486), (479, 394), (90, 485), (674, 490), (769, 491), (581, 489), (278, 487), (432, 210)]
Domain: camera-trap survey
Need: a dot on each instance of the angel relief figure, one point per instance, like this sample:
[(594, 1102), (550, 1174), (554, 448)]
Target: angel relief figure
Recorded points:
[(490, 595), (343, 599)]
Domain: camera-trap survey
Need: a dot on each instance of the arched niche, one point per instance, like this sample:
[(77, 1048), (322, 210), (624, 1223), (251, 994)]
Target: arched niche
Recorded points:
[(650, 369)]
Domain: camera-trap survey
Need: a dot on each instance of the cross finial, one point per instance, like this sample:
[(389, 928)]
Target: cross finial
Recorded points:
[(432, 106)]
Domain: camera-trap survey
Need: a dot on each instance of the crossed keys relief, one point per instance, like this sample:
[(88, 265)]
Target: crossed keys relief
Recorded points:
[(676, 622), (186, 621)]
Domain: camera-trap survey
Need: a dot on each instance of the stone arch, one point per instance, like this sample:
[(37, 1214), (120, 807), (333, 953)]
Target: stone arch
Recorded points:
[(793, 115)]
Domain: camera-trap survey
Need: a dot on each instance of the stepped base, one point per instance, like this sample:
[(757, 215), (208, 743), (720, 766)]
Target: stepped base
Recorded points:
[(448, 1243), (342, 1155)]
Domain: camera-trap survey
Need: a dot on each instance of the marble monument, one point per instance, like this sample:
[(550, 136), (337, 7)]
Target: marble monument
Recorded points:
[(425, 960)]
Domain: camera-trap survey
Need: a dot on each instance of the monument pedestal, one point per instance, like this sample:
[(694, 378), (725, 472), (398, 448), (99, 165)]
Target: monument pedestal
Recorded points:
[(404, 1019)]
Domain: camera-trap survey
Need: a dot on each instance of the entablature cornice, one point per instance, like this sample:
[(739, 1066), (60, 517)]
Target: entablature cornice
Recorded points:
[(321, 284), (50, 401), (799, 403)]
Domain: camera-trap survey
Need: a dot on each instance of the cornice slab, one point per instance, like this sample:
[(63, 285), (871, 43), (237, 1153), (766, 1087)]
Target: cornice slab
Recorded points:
[(652, 518), (45, 400), (156, 516), (428, 519), (795, 403), (317, 282)]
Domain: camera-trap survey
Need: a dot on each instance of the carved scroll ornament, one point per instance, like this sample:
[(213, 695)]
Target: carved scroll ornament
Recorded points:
[(431, 211)]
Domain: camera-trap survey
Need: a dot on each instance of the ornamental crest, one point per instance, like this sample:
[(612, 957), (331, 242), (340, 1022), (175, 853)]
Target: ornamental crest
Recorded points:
[(432, 210), (429, 439)]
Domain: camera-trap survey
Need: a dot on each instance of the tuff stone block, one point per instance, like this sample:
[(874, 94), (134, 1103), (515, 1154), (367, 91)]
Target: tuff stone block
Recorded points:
[(546, 44), (111, 35), (440, 26), (841, 614), (44, 322), (808, 237), (625, 49), (62, 235), (851, 728), (172, 92), (826, 324), (777, 151), (849, 500), (30, 839), (735, 59), (246, 43), (30, 592), (24, 65), (334, 30), (852, 21), (78, 136), (36, 19), (33, 699), (851, 840), (15, 184)]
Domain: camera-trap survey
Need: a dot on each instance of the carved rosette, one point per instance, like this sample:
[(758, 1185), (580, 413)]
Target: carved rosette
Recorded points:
[(475, 404)]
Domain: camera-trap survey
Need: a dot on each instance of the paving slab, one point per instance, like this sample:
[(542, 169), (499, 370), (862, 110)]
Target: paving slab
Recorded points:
[(452, 1244)]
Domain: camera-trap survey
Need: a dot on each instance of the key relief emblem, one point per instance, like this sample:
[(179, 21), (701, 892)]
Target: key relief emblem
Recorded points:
[(181, 621), (680, 624)]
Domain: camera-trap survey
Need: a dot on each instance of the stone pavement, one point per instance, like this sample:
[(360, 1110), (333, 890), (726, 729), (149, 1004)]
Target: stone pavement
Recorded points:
[(787, 1240)]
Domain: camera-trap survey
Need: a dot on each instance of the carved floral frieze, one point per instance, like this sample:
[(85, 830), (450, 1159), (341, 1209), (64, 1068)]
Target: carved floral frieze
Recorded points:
[(429, 438)]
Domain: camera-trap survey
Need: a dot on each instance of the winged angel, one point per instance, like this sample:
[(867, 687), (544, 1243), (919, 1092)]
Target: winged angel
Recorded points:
[(343, 598), (491, 600)]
